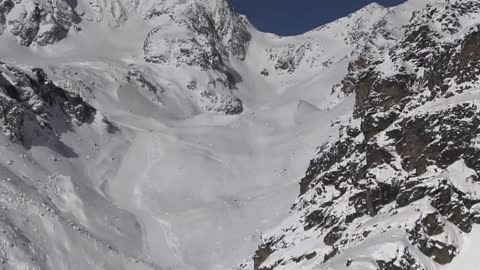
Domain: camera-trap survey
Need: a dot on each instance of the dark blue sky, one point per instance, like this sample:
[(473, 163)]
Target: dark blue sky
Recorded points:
[(291, 17)]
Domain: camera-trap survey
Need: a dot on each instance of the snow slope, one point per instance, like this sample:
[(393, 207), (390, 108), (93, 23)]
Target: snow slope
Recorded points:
[(177, 182), (201, 129)]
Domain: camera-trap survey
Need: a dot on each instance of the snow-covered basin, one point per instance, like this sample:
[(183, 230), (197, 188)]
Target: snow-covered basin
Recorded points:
[(206, 188)]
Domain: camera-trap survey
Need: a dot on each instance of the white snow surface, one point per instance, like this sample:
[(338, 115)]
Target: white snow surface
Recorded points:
[(178, 187)]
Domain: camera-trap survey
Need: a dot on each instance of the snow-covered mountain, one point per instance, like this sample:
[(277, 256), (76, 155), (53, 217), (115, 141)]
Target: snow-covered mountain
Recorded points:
[(399, 188), (171, 134)]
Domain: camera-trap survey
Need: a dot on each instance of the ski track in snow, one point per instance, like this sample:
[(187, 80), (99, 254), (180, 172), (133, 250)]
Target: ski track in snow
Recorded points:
[(150, 145)]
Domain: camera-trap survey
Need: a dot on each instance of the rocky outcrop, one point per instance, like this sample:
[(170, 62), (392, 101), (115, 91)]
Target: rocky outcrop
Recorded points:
[(227, 104), (29, 94), (38, 22), (311, 52), (12, 119), (407, 164), (211, 33)]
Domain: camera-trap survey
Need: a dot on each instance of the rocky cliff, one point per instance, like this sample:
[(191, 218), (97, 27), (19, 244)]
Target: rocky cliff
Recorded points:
[(400, 185)]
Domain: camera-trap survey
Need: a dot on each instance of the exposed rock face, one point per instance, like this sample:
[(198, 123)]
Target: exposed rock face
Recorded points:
[(353, 33), (227, 104), (12, 119), (31, 95), (209, 34), (37, 22), (154, 91), (409, 154), (195, 34), (403, 261), (212, 33)]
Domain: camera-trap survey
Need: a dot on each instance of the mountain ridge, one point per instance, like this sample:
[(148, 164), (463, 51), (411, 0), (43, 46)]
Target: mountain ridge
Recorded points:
[(173, 135), (350, 196)]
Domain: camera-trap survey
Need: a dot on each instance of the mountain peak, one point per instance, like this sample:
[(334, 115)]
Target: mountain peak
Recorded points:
[(373, 6)]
